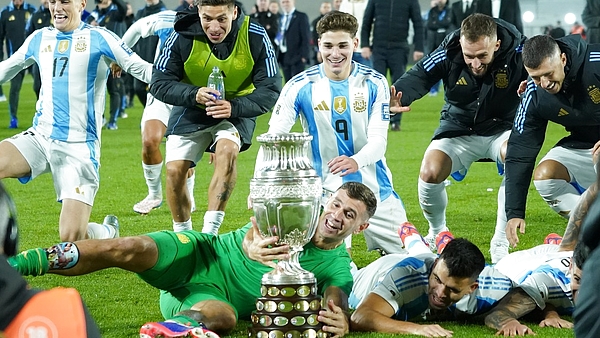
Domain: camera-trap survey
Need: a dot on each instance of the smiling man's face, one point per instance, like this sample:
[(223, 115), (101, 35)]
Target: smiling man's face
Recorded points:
[(445, 290), (217, 21), (550, 75), (341, 217)]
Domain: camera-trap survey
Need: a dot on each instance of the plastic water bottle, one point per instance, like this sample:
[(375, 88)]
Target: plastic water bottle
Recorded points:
[(215, 81)]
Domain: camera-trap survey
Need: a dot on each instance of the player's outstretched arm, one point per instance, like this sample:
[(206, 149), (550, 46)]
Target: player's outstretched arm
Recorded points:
[(334, 315), (552, 319), (504, 317), (374, 315), (396, 102), (576, 218)]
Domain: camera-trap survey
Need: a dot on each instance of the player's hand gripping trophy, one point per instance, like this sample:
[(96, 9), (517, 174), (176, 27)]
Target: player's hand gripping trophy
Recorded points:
[(285, 195)]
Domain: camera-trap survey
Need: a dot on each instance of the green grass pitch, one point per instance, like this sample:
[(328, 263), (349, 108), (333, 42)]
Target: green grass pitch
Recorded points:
[(120, 302)]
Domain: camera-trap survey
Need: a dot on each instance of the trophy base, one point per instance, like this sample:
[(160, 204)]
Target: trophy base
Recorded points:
[(287, 311)]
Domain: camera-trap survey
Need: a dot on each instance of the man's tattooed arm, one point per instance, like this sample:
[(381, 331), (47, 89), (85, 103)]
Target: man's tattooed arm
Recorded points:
[(513, 306), (577, 215)]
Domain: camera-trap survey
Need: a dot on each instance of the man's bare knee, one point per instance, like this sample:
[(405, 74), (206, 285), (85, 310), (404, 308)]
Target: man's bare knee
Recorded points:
[(215, 315), (550, 169)]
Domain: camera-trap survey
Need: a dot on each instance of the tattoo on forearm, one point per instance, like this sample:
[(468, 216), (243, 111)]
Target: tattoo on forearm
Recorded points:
[(574, 225), (514, 305)]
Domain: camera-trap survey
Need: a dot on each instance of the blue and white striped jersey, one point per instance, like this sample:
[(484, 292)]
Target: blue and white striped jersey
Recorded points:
[(492, 287), (402, 280), (159, 24), (348, 117), (542, 272), (74, 68)]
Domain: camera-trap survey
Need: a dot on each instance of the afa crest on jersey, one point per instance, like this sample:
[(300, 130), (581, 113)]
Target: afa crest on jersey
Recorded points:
[(594, 94), (501, 79), (81, 45), (360, 104)]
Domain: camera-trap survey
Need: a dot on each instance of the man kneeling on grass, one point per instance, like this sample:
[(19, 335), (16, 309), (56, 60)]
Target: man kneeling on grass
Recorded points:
[(211, 281)]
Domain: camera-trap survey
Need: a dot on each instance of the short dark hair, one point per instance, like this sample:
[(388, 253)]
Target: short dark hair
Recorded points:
[(477, 25), (537, 49), (228, 3), (337, 21), (361, 192), (580, 254), (463, 259)]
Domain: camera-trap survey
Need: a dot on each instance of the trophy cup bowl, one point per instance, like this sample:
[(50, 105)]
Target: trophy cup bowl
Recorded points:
[(286, 199)]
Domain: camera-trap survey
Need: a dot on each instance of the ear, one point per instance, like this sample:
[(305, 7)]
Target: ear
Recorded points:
[(361, 228), (474, 286), (498, 42), (563, 59), (355, 41), (235, 12)]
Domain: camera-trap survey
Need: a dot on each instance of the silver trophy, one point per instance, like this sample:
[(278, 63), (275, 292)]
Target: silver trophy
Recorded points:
[(286, 198)]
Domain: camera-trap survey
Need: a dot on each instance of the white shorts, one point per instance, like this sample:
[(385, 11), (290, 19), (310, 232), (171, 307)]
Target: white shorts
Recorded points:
[(579, 164), (382, 232), (464, 150), (156, 110), (191, 147), (74, 165)]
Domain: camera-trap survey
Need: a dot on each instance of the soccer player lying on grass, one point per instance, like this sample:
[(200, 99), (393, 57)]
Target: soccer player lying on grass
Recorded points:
[(208, 281), (546, 279), (401, 281), (406, 286)]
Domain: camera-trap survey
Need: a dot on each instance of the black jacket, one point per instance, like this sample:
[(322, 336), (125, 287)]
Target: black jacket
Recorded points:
[(146, 47), (13, 22), (474, 106), (591, 19), (111, 17), (390, 28), (439, 24), (39, 19), (576, 106), (270, 22), (510, 11), (187, 116)]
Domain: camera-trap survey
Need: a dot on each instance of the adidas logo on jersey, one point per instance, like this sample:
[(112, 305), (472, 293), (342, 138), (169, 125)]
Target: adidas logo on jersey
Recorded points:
[(321, 106), (462, 81), (563, 112), (48, 49)]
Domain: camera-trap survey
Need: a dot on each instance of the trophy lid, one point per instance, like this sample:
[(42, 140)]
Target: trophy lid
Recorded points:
[(285, 155)]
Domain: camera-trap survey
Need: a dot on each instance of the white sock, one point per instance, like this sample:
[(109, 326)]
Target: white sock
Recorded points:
[(190, 182), (152, 175), (500, 231), (182, 226), (99, 231), (212, 221), (560, 195), (433, 200), (414, 245)]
